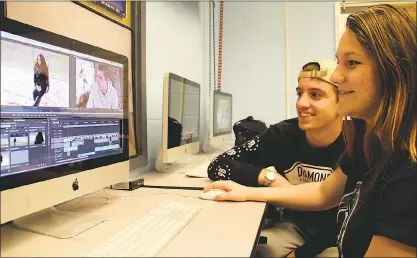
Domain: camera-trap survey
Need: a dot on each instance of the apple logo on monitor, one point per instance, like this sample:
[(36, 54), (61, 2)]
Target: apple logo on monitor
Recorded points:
[(75, 185)]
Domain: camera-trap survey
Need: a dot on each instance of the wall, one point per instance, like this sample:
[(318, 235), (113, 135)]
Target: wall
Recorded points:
[(311, 35), (258, 58), (254, 59)]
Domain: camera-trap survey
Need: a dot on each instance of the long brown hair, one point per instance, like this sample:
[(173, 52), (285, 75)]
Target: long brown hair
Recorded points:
[(43, 67), (388, 32)]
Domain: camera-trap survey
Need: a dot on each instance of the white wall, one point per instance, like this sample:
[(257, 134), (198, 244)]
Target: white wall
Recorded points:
[(254, 53), (174, 43), (311, 35), (254, 59)]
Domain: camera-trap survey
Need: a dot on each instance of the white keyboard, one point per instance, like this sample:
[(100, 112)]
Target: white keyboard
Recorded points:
[(147, 236)]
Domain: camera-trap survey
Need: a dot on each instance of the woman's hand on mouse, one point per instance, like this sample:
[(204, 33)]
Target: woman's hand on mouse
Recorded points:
[(233, 191)]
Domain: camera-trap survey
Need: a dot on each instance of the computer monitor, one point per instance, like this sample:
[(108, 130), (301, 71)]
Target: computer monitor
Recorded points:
[(221, 133), (64, 126), (180, 120)]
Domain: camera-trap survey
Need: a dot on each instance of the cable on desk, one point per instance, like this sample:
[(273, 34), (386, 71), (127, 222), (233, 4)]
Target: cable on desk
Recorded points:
[(175, 187)]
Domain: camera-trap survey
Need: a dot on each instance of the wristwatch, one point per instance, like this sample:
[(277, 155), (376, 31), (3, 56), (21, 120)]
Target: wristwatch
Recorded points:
[(270, 176)]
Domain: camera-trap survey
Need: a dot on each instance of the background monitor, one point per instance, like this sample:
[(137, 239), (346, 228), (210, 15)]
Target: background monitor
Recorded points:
[(64, 128), (222, 129), (222, 113), (181, 119)]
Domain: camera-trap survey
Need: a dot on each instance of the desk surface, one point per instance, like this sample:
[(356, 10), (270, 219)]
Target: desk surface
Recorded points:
[(176, 175), (219, 229), (174, 179)]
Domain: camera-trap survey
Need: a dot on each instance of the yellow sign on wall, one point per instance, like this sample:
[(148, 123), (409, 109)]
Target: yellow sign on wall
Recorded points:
[(100, 6)]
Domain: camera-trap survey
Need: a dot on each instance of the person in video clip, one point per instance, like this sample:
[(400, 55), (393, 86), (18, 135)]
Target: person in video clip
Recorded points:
[(39, 138), (103, 94), (41, 79), (374, 185), (294, 151)]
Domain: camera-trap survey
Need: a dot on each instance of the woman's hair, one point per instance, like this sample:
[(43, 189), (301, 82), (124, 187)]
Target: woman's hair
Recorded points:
[(43, 67), (388, 32)]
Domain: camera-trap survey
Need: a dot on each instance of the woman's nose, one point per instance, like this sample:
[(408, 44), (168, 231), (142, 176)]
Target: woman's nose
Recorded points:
[(337, 76)]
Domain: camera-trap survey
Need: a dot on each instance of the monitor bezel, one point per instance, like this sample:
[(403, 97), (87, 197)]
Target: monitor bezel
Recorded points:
[(31, 177), (217, 92)]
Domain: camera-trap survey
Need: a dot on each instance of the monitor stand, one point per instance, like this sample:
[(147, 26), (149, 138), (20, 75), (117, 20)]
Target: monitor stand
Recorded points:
[(218, 144), (70, 218), (180, 166)]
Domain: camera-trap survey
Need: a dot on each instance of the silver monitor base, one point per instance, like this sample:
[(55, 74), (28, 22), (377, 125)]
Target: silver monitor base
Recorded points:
[(67, 219)]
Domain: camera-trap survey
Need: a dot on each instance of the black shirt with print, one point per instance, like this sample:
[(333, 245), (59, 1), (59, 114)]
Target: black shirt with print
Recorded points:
[(284, 146), (390, 208)]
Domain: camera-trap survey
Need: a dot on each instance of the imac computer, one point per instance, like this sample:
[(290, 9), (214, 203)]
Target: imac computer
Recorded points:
[(64, 127), (180, 120), (221, 133)]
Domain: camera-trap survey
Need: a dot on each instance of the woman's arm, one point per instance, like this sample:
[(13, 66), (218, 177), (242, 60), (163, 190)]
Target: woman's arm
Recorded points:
[(309, 196), (385, 247)]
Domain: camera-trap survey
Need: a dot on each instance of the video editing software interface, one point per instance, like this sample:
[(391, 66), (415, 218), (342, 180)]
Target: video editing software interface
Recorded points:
[(58, 106)]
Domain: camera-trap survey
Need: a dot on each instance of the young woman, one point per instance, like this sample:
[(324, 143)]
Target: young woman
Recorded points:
[(41, 79), (374, 185)]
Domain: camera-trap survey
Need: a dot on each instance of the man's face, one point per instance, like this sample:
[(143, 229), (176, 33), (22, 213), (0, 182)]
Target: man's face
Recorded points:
[(316, 104), (101, 81)]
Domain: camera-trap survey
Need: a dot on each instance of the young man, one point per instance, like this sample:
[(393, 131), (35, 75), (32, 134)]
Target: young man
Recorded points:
[(294, 151), (103, 94)]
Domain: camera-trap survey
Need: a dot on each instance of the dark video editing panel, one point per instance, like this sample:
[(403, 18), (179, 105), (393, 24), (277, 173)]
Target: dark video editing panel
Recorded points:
[(32, 144)]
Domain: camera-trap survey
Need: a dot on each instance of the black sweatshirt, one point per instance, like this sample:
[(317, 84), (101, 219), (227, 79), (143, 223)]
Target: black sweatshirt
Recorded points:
[(284, 146)]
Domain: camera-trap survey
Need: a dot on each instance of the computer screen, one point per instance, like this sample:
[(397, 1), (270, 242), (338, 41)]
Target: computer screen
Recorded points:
[(222, 113), (180, 120), (183, 111), (60, 107)]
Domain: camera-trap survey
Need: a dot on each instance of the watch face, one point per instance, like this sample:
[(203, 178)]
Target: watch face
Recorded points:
[(270, 176)]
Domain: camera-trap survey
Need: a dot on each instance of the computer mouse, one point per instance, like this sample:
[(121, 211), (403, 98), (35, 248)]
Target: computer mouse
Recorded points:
[(211, 194)]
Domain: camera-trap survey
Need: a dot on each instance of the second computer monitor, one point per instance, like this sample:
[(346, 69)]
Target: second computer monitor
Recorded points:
[(181, 118), (222, 119)]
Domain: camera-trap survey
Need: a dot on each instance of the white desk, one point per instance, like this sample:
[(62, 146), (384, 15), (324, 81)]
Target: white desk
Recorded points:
[(226, 229), (176, 176), (174, 180)]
